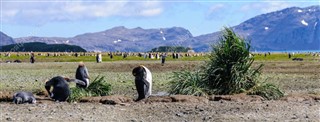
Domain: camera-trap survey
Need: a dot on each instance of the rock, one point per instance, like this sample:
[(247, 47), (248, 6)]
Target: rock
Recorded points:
[(294, 117), (179, 114), (9, 119)]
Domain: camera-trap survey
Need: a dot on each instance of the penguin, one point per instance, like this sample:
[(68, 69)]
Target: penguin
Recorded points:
[(99, 58), (143, 81), (61, 90), (83, 75), (24, 97)]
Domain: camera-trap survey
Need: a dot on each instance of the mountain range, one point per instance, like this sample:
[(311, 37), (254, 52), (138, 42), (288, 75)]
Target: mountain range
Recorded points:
[(5, 39), (288, 29)]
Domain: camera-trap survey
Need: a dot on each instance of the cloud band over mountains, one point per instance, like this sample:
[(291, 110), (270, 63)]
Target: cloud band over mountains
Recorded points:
[(41, 12)]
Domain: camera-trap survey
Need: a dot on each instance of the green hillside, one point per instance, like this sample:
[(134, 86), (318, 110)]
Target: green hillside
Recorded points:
[(170, 49), (41, 47)]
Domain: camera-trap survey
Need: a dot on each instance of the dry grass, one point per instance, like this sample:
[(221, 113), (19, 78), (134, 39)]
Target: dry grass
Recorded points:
[(293, 77)]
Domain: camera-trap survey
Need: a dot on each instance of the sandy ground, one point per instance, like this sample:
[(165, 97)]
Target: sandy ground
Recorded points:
[(290, 108)]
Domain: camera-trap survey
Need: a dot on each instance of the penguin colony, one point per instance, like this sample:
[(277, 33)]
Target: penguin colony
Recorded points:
[(59, 90)]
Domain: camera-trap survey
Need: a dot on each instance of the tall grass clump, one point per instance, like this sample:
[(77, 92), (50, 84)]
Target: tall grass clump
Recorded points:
[(98, 87), (228, 71), (187, 83)]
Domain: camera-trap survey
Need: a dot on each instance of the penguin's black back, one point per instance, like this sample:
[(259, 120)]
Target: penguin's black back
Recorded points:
[(61, 89)]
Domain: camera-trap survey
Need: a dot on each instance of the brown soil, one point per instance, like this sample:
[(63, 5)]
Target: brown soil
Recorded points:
[(296, 107)]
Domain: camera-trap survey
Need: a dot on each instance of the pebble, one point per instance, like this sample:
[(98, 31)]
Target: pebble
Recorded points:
[(9, 119), (294, 117), (179, 114)]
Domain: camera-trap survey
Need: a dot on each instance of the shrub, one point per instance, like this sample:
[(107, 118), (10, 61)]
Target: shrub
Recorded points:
[(228, 71), (99, 87)]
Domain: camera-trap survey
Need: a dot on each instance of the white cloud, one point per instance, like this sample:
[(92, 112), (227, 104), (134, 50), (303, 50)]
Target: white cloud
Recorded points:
[(151, 12), (274, 6), (265, 6), (214, 11), (44, 12), (216, 7)]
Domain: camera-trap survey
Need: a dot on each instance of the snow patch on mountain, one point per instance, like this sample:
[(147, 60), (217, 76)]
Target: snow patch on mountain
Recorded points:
[(304, 23)]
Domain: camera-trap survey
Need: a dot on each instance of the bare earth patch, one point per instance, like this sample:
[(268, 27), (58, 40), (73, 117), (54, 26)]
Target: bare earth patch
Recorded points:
[(166, 108)]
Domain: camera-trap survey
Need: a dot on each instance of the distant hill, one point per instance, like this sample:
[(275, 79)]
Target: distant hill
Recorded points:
[(41, 47), (170, 49), (5, 39), (122, 39), (288, 29)]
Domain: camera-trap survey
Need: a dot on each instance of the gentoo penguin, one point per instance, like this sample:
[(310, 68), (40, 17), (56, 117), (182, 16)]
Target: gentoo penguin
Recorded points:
[(23, 97), (143, 81), (61, 90), (83, 75)]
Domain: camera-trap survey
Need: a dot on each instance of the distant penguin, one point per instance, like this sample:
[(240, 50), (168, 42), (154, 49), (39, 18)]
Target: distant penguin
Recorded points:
[(99, 58), (83, 75), (61, 90), (143, 81), (23, 97)]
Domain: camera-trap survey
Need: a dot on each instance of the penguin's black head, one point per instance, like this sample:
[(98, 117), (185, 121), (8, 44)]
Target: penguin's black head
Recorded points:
[(137, 71)]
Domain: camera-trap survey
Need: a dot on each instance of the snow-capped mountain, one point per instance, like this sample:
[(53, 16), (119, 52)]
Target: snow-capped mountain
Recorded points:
[(288, 29)]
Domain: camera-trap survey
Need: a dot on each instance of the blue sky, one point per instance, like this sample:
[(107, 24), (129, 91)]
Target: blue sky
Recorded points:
[(68, 18)]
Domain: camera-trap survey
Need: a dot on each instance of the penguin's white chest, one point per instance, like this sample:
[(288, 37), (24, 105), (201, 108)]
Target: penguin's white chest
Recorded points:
[(149, 79)]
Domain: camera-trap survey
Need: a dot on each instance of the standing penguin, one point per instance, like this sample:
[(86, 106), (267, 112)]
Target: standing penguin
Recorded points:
[(61, 90), (23, 97), (83, 75), (32, 58), (143, 81), (99, 58)]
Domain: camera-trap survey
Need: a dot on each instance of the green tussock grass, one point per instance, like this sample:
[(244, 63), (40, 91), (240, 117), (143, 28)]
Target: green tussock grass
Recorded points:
[(187, 83), (99, 87), (266, 90), (228, 71)]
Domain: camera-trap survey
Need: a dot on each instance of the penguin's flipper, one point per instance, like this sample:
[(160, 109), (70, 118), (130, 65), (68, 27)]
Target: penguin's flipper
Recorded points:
[(80, 82)]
